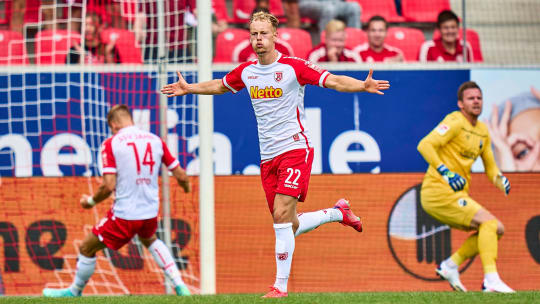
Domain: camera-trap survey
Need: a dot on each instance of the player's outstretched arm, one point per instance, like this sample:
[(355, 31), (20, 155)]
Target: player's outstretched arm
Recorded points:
[(343, 83), (181, 87), (182, 179), (104, 191)]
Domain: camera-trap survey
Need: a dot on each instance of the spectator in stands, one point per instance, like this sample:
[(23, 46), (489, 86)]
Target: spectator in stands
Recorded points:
[(95, 51), (292, 12), (375, 50), (325, 10), (448, 47), (17, 15), (179, 47), (244, 51), (219, 17), (333, 49)]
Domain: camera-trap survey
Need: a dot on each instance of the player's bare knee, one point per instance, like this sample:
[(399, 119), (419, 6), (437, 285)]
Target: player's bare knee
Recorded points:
[(86, 250)]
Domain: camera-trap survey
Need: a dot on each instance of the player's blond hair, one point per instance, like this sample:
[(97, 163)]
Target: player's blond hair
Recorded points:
[(116, 111), (264, 16), (335, 25)]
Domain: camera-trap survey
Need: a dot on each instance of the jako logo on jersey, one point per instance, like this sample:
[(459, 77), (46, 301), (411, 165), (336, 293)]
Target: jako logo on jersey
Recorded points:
[(268, 92)]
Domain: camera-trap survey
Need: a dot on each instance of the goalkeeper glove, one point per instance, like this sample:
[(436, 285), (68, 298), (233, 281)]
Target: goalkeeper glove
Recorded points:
[(455, 180), (502, 183)]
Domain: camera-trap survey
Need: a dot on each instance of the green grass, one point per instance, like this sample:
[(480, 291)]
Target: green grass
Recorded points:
[(521, 297)]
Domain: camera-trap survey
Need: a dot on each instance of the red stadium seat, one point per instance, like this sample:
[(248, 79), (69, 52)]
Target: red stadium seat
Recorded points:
[(5, 15), (383, 8), (407, 39), (298, 39), (226, 41), (52, 46), (355, 37), (472, 38), (242, 10), (423, 10), (127, 46), (13, 50)]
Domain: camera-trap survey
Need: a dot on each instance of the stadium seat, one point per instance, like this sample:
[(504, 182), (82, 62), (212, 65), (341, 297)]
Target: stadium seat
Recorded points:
[(384, 8), (242, 10), (13, 50), (53, 46), (407, 39), (127, 46), (226, 41), (298, 39), (423, 10), (472, 38), (355, 37)]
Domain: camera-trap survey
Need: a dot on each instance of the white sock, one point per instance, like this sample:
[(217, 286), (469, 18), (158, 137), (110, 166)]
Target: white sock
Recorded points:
[(284, 254), (85, 269), (165, 261), (492, 277), (450, 264), (311, 220)]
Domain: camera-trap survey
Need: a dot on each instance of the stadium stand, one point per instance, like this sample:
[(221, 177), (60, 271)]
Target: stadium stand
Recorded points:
[(226, 41), (242, 10), (355, 37), (407, 39), (472, 38), (423, 10), (52, 46), (126, 44), (298, 39), (13, 50), (384, 8)]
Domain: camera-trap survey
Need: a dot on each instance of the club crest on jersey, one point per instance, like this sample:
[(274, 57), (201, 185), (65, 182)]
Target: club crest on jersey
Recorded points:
[(267, 92), (278, 76)]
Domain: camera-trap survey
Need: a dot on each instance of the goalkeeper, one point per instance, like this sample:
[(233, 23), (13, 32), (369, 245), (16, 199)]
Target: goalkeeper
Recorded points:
[(451, 149)]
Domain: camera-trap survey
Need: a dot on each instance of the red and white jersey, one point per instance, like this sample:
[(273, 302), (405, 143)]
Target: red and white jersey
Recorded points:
[(277, 96), (369, 55), (433, 50), (135, 156)]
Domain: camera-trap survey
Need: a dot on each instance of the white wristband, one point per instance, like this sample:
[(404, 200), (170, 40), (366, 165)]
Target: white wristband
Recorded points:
[(90, 201)]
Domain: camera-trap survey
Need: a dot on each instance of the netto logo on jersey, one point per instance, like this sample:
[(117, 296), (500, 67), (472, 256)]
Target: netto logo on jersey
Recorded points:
[(418, 242), (268, 92)]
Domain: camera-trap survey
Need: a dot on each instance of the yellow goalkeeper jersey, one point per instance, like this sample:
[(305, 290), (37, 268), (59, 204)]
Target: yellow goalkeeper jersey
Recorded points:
[(456, 143)]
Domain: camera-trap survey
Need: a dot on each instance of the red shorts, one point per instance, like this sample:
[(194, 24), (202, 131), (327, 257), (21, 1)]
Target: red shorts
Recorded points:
[(116, 232), (288, 174)]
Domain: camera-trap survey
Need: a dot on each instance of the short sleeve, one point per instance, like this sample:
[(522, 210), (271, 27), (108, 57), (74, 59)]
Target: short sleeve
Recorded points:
[(233, 80), (107, 157), (170, 161), (310, 73)]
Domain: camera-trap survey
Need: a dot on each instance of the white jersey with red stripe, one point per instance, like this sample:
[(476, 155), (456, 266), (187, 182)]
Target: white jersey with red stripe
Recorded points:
[(277, 95), (135, 156)]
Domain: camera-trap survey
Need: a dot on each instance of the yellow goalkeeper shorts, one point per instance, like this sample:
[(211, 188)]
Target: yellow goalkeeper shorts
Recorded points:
[(454, 209)]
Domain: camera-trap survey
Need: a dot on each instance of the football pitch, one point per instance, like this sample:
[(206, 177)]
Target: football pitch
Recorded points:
[(521, 297)]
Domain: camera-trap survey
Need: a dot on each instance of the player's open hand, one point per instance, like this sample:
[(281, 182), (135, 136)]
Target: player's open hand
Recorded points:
[(84, 201), (179, 88), (375, 86)]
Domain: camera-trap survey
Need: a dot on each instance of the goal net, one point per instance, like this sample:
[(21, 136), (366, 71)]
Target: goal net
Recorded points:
[(53, 121)]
